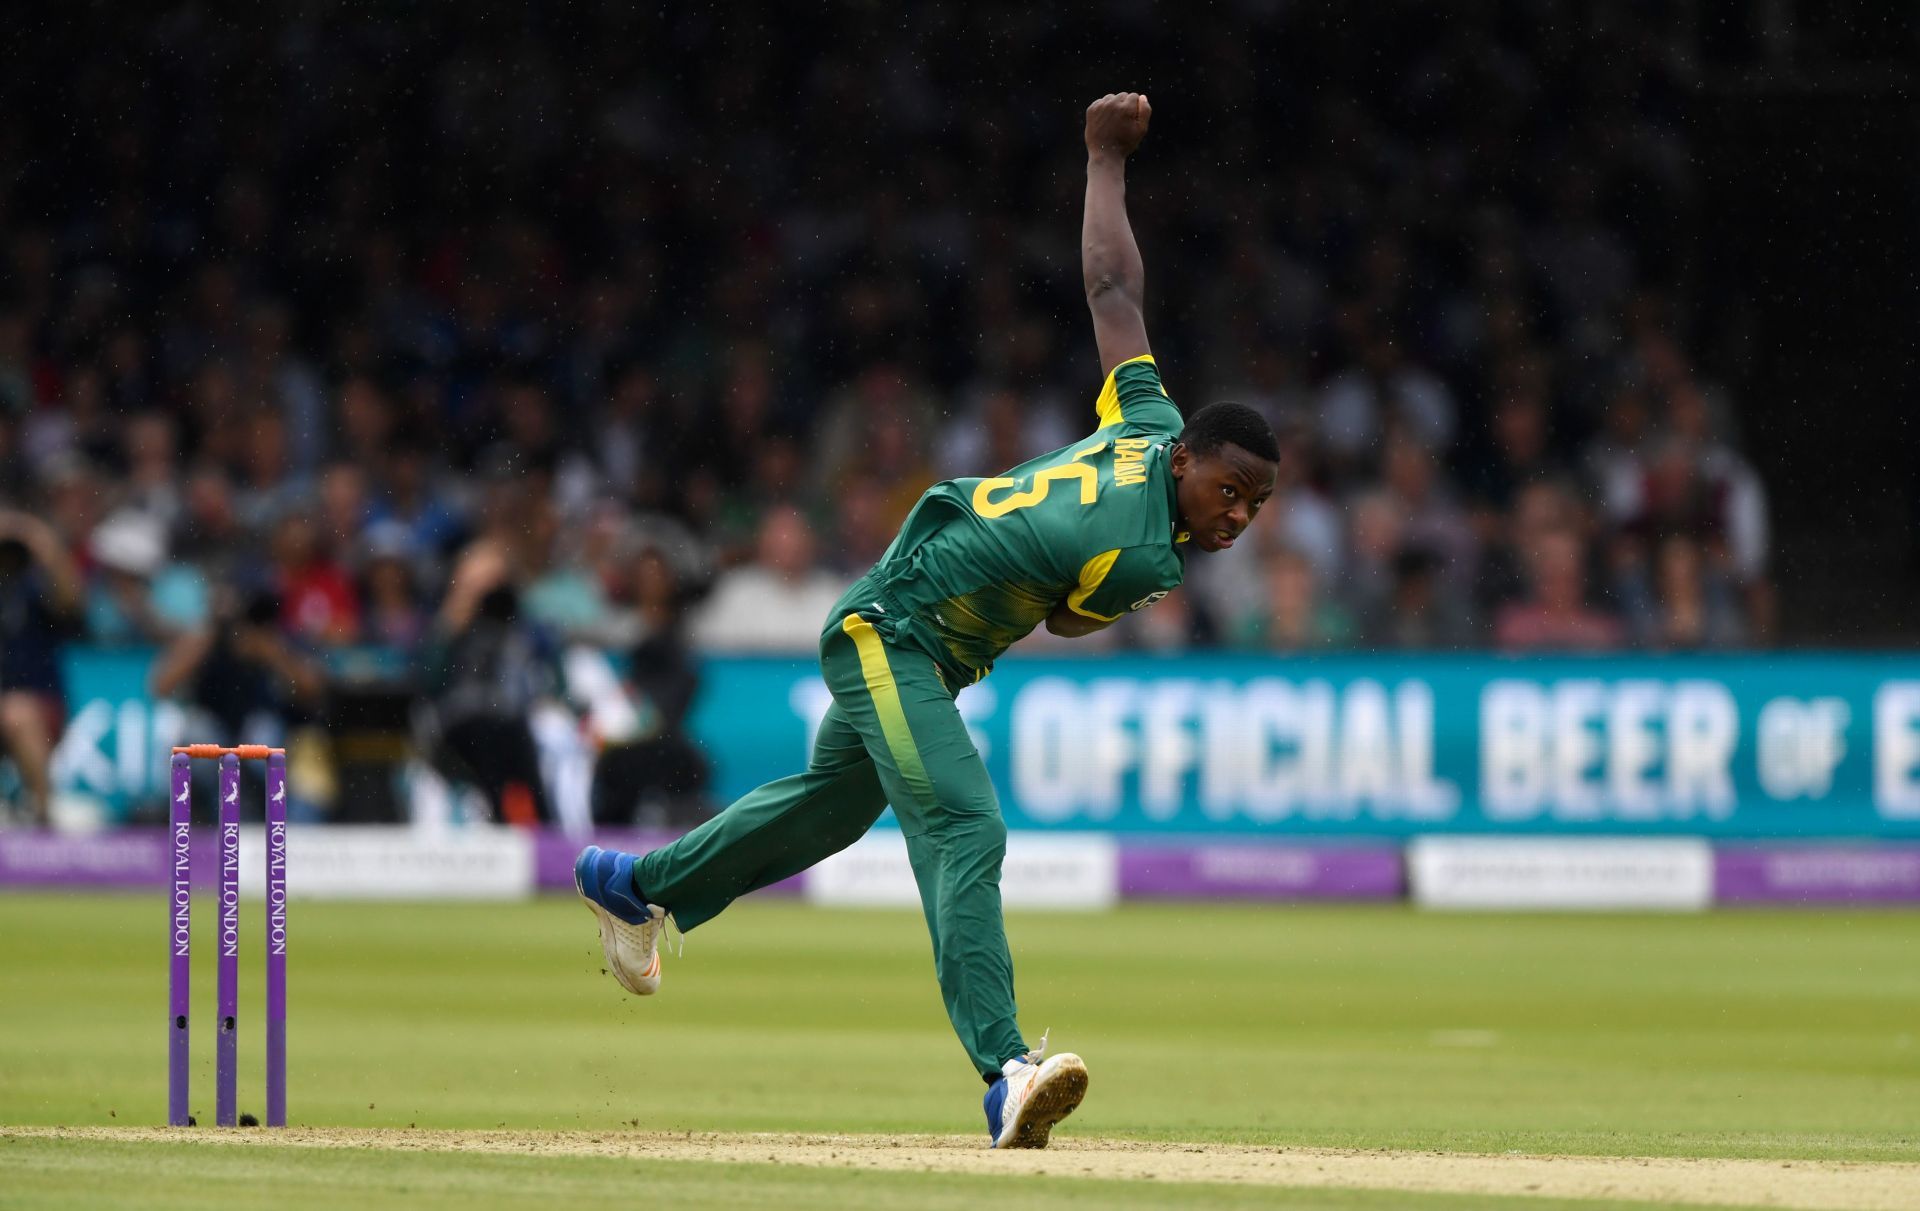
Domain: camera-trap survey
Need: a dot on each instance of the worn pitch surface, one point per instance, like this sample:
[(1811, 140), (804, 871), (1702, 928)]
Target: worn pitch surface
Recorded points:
[(1839, 1185)]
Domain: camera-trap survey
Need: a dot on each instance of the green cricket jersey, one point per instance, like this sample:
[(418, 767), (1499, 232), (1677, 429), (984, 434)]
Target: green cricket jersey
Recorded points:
[(981, 562)]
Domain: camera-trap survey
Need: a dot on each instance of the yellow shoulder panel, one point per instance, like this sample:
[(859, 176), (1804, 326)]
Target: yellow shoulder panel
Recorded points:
[(1108, 405), (1091, 575)]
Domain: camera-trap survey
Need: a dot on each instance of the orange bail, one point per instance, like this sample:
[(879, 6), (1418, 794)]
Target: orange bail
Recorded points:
[(246, 752)]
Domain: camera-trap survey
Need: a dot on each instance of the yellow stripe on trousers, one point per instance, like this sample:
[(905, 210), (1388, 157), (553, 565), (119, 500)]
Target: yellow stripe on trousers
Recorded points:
[(886, 704)]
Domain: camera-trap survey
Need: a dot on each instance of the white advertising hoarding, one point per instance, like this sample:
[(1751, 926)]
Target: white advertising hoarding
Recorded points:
[(1055, 870), (1671, 874)]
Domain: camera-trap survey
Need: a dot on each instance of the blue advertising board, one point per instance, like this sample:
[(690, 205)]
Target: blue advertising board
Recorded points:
[(118, 737), (1756, 746), (1724, 746)]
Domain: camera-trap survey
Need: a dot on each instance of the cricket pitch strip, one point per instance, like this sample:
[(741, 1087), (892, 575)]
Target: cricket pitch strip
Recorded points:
[(1813, 1185)]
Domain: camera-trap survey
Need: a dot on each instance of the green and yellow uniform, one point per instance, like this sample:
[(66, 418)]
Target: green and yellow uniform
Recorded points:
[(978, 564), (981, 562)]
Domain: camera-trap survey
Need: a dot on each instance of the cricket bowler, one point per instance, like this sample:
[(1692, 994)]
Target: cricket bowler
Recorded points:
[(1074, 539)]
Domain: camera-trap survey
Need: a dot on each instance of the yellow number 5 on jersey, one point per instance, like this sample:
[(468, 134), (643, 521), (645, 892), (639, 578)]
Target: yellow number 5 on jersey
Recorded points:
[(1043, 481)]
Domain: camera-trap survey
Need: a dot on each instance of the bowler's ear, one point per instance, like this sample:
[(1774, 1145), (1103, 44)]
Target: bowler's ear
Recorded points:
[(1179, 459)]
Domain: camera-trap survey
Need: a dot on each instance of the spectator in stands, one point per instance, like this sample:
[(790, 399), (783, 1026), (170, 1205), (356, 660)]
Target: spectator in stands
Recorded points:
[(152, 457), (1519, 450), (1272, 381), (210, 533), (343, 510), (999, 427), (1504, 572), (883, 395), (127, 362), (393, 614), (1679, 496), (1418, 614), (779, 477), (40, 601), (1374, 534), (215, 418), (1383, 392), (1430, 515), (136, 595), (318, 601), (1615, 462), (365, 423), (1741, 499), (659, 654), (896, 459), (560, 588), (1294, 616), (531, 441), (634, 439), (1555, 616), (778, 602), (75, 498), (485, 667), (861, 527), (271, 371), (746, 408), (607, 541), (409, 493), (240, 674), (83, 426), (1686, 606), (660, 778)]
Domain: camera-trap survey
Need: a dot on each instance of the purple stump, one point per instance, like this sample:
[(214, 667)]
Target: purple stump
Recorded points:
[(179, 936), (277, 940), (226, 1046)]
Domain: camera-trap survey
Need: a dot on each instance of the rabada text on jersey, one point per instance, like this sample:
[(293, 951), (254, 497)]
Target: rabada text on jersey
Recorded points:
[(980, 562)]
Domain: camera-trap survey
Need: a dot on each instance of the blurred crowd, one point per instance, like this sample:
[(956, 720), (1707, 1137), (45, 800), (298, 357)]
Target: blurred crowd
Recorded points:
[(473, 340)]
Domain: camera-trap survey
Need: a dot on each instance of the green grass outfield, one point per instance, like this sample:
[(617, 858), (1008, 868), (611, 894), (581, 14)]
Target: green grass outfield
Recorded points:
[(1789, 1035)]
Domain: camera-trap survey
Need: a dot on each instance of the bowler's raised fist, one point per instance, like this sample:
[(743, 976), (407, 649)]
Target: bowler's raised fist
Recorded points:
[(1116, 123)]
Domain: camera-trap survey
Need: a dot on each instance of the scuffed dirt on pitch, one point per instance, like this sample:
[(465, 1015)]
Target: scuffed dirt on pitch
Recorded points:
[(1820, 1185)]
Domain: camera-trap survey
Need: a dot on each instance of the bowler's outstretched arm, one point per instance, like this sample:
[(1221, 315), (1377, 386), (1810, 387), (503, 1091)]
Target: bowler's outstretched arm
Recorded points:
[(1110, 265)]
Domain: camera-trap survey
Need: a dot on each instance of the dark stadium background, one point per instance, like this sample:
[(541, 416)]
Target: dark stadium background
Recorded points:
[(660, 296)]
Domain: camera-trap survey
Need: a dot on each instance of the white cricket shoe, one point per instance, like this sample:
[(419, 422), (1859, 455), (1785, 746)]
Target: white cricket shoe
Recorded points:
[(1032, 1095), (629, 929)]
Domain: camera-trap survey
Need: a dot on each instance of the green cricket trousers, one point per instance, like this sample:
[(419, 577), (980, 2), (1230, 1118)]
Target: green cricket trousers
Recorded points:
[(893, 735)]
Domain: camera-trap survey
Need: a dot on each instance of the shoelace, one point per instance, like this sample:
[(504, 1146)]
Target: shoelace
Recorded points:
[(680, 950), (1035, 1056)]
